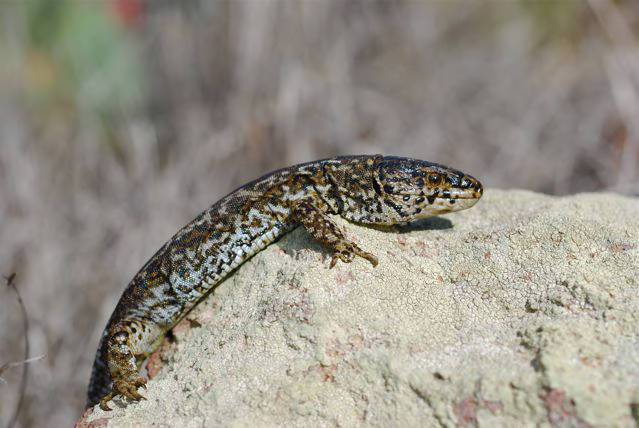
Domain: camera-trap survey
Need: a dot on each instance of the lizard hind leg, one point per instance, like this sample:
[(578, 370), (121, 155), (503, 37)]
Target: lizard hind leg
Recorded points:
[(123, 368), (321, 227)]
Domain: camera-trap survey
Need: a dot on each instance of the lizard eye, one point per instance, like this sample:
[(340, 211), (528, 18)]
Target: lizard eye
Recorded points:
[(434, 178)]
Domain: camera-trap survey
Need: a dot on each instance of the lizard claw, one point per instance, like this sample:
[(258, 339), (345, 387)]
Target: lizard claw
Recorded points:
[(345, 256), (130, 390), (125, 388), (348, 253), (103, 402), (139, 382), (370, 257), (132, 394)]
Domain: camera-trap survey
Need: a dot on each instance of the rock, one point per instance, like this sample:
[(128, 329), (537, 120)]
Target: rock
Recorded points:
[(520, 311)]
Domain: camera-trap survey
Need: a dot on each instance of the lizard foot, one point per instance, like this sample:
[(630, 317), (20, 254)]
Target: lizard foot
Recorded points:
[(347, 253), (128, 389), (323, 228), (103, 402)]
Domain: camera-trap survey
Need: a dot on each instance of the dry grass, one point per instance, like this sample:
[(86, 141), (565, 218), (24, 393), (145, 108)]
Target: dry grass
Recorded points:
[(116, 133)]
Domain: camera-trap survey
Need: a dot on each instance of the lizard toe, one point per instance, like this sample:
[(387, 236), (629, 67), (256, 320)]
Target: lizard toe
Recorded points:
[(132, 394), (368, 256), (129, 388), (140, 382), (105, 400), (345, 256)]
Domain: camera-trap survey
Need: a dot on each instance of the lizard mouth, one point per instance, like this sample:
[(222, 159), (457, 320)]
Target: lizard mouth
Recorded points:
[(456, 193), (471, 189), (453, 199), (453, 196)]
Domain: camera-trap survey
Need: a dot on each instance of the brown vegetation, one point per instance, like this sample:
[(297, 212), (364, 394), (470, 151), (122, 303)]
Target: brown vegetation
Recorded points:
[(122, 120)]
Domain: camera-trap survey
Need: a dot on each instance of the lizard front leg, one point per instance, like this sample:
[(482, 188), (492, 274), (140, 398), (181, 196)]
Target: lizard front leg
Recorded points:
[(323, 229), (122, 365)]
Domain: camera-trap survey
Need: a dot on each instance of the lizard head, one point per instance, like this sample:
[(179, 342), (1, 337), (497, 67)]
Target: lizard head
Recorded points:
[(411, 189)]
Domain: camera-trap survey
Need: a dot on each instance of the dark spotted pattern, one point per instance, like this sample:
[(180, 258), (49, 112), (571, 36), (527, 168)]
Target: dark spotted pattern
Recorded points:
[(363, 189)]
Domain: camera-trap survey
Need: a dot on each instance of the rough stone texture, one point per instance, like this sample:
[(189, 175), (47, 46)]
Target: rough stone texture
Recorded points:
[(521, 311)]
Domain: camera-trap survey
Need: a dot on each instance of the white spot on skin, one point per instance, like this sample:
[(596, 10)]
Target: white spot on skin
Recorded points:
[(323, 189), (279, 209), (296, 196)]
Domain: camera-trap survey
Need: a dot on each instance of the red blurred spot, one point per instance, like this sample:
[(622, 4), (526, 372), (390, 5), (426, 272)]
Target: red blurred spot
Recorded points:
[(129, 12)]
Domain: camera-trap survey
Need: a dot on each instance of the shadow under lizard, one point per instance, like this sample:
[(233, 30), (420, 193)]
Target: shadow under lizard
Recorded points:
[(369, 189)]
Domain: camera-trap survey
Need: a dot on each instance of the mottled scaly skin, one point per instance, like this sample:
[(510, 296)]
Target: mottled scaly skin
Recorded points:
[(363, 189)]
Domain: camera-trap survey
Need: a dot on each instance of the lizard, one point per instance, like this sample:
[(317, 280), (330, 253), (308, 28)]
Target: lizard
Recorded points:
[(365, 189)]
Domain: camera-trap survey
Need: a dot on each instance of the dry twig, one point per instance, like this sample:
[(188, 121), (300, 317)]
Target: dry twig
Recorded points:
[(23, 382)]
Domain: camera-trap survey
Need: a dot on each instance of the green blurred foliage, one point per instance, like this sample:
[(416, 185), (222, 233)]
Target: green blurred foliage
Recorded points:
[(79, 60), (554, 20)]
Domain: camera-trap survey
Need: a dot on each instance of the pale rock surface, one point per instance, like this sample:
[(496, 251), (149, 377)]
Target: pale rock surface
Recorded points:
[(522, 311)]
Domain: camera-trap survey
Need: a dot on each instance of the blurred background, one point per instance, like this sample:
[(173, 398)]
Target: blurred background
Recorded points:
[(121, 120)]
